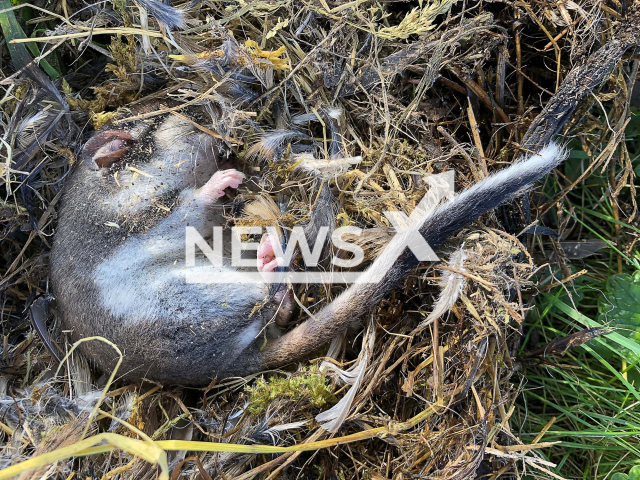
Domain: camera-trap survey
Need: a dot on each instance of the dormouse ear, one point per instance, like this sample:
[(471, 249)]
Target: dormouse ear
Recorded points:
[(104, 148)]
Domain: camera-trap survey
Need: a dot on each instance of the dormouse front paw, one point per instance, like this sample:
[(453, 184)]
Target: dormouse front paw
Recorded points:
[(214, 188)]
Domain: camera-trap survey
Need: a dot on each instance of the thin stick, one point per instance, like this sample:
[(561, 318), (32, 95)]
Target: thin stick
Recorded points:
[(458, 147), (476, 139), (95, 31), (207, 130)]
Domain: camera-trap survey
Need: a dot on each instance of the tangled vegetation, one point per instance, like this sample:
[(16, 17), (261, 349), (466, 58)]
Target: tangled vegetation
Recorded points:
[(531, 369)]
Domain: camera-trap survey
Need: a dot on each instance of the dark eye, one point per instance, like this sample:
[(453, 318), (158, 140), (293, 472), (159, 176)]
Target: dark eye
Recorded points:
[(106, 147)]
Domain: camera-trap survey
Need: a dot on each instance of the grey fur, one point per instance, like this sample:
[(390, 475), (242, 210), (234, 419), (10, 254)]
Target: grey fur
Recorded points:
[(170, 16)]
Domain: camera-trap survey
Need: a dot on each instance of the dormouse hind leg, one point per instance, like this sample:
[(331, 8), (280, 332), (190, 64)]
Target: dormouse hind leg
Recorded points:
[(267, 262)]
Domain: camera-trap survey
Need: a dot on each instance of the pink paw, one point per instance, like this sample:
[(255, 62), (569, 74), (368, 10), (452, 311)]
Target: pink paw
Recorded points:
[(214, 188), (267, 261)]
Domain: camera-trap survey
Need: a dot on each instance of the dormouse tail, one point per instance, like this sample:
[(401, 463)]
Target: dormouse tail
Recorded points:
[(491, 192), (360, 298)]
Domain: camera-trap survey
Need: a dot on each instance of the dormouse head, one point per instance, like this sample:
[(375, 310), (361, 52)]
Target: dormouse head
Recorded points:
[(140, 160), (142, 135)]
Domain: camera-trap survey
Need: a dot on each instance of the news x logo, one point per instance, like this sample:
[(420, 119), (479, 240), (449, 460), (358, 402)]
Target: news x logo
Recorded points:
[(211, 266)]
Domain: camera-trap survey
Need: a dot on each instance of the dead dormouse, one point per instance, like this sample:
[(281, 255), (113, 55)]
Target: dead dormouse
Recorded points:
[(118, 260), (119, 252)]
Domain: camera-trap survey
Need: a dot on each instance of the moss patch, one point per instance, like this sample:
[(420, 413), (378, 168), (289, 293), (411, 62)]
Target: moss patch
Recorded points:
[(309, 384)]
